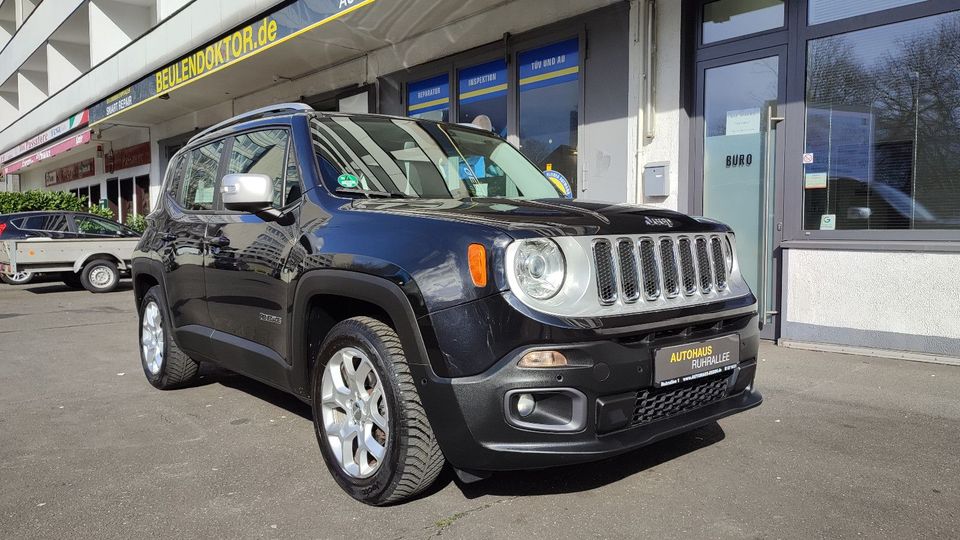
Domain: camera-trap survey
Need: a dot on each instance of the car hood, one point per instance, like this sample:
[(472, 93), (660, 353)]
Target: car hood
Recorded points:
[(546, 217)]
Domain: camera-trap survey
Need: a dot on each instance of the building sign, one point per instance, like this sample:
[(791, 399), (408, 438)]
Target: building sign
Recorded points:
[(75, 121), (277, 27), (125, 158), (486, 81), (550, 65), (55, 149), (74, 171), (429, 95)]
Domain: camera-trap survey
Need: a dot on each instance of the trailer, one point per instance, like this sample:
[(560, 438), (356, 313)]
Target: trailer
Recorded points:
[(96, 264)]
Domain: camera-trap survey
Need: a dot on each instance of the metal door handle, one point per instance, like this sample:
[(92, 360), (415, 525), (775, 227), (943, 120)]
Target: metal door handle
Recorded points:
[(765, 192), (217, 241)]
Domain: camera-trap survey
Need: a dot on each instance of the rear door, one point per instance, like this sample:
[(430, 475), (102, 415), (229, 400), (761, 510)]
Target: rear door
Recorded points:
[(247, 279), (190, 206)]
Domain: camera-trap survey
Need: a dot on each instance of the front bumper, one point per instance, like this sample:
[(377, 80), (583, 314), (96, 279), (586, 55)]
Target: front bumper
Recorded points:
[(615, 376)]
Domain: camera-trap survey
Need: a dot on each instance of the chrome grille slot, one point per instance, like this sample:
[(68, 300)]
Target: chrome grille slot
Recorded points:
[(687, 270), (606, 280), (649, 270), (703, 265), (719, 262), (668, 262), (629, 272)]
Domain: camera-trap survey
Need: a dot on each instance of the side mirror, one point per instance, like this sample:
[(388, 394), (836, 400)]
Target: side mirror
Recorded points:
[(251, 193)]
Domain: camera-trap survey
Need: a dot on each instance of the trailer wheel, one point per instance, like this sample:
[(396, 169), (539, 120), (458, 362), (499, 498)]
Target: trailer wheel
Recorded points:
[(100, 276)]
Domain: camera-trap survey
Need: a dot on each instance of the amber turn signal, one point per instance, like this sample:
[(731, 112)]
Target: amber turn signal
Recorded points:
[(477, 257), (543, 359)]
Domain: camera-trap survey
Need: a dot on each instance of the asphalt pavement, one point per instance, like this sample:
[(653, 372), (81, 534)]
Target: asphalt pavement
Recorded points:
[(843, 447)]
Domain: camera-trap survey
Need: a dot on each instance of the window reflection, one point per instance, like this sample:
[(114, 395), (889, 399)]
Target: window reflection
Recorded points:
[(549, 110), (726, 19), (883, 128), (821, 11)]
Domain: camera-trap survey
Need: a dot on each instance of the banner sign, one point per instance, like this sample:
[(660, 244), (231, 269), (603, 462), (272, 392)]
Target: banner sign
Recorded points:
[(275, 28), (75, 121), (74, 171), (125, 158), (67, 144), (486, 81), (550, 65), (429, 95)]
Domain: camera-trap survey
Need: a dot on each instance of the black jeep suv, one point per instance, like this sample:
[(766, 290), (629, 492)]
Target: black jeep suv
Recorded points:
[(436, 299)]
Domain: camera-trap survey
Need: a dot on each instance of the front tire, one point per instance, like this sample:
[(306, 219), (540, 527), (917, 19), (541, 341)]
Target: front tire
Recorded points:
[(18, 278), (373, 432), (164, 363)]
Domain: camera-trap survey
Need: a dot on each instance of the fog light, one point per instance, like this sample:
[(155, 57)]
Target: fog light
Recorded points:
[(525, 405), (543, 359)]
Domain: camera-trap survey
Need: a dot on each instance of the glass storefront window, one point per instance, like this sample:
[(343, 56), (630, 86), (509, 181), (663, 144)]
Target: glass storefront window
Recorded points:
[(429, 99), (482, 94), (882, 148), (821, 11), (550, 110), (726, 19)]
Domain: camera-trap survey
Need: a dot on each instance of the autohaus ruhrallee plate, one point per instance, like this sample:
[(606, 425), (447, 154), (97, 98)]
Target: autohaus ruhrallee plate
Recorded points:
[(691, 361)]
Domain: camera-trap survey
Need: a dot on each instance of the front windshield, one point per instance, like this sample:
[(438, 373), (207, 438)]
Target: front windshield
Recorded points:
[(410, 158)]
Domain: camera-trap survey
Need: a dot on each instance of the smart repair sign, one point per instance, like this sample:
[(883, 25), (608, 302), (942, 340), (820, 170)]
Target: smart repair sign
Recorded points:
[(274, 28)]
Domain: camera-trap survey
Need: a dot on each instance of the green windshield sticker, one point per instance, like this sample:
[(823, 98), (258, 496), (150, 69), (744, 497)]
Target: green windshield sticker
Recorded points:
[(348, 181)]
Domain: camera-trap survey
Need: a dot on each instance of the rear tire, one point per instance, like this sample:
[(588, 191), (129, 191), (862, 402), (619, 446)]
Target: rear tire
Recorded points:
[(19, 278), (164, 363), (100, 276), (361, 382)]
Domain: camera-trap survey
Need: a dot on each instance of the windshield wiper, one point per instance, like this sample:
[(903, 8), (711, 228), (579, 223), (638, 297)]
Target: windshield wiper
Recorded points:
[(373, 194)]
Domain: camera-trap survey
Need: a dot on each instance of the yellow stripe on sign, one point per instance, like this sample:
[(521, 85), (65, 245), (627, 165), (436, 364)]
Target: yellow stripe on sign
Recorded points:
[(268, 46), (426, 104), (483, 91), (551, 75)]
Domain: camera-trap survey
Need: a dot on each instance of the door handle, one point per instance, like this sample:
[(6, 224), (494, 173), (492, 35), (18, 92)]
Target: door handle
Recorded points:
[(766, 191), (167, 237), (217, 241)]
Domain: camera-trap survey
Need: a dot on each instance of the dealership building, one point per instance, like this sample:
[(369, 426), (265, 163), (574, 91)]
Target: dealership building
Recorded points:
[(825, 132)]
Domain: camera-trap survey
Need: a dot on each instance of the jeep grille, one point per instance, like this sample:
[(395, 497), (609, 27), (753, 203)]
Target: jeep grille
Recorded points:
[(661, 267)]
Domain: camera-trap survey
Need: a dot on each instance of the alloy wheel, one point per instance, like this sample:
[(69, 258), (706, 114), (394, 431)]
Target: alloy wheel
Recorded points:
[(355, 414), (151, 338)]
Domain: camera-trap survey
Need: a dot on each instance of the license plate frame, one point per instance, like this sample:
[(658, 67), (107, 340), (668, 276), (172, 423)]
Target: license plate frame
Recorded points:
[(690, 361)]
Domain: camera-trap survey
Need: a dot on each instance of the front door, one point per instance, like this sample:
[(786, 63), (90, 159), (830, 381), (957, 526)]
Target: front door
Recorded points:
[(740, 107)]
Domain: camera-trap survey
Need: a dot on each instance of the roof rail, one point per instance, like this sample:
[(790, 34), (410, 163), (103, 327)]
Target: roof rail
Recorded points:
[(250, 115)]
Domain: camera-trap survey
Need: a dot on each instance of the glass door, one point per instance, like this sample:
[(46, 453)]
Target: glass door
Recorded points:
[(740, 106)]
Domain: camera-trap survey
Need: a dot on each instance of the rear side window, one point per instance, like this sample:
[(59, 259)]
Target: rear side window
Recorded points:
[(265, 152), (45, 222), (200, 177), (97, 226)]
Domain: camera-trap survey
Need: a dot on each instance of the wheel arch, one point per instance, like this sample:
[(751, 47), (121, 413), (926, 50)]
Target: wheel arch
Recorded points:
[(82, 261), (355, 294)]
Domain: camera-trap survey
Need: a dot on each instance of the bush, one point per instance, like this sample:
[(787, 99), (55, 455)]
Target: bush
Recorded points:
[(27, 201), (137, 223), (97, 211)]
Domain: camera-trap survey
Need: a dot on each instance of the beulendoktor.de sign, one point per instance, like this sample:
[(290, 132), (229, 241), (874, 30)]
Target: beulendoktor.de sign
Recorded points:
[(274, 28)]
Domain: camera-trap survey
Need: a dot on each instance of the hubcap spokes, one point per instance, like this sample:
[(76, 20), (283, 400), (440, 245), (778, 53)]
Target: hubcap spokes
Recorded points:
[(151, 338), (354, 410), (101, 277)]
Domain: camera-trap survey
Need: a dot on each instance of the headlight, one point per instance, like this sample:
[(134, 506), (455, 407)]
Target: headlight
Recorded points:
[(540, 268)]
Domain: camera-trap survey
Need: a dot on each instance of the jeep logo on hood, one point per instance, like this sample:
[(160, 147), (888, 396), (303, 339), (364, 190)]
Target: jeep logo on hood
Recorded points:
[(658, 221)]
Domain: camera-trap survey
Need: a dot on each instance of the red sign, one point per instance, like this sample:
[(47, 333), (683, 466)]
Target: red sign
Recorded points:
[(131, 156), (75, 121), (55, 149), (74, 171)]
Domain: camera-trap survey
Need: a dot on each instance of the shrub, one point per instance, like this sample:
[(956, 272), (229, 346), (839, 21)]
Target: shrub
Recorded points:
[(27, 201), (137, 223)]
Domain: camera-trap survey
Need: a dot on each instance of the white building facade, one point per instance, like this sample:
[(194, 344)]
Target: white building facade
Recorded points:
[(824, 131)]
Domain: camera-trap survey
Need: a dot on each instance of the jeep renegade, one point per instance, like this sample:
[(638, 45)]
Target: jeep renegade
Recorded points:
[(436, 299)]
